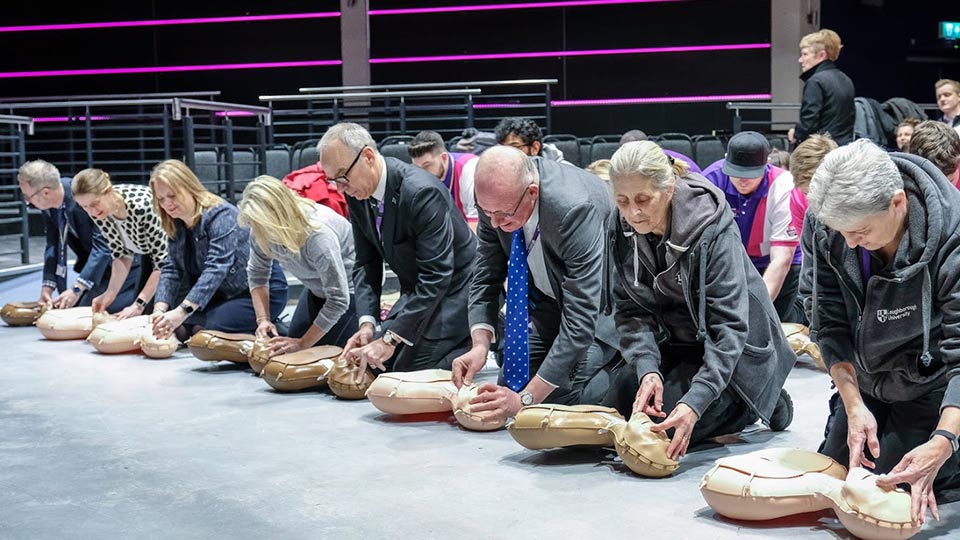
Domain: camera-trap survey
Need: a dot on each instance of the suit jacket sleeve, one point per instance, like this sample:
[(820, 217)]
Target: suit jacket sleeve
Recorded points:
[(99, 258), (367, 272), (490, 271), (429, 217), (582, 250), (51, 254)]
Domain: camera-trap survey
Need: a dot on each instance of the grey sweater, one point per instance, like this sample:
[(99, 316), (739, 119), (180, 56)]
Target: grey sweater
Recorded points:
[(323, 264), (902, 332)]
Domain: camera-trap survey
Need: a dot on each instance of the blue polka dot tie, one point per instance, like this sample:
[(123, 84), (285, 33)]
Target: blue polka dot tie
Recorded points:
[(516, 351)]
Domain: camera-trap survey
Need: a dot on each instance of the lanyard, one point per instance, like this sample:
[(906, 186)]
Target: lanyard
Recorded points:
[(533, 240)]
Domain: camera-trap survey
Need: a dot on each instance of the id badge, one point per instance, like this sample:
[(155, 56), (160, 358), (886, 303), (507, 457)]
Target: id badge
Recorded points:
[(61, 271)]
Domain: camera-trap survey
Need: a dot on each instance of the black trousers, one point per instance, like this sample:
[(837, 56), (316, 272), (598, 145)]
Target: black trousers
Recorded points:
[(901, 427), (309, 306), (679, 363), (787, 305)]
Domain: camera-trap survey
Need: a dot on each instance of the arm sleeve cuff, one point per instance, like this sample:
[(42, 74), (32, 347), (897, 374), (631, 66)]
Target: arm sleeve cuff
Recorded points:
[(485, 326), (368, 319), (699, 397)]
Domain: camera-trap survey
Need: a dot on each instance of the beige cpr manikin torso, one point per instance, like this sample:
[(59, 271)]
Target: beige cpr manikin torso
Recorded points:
[(301, 370), (70, 323), (544, 426), (130, 335), (20, 313), (427, 391), (779, 482), (213, 346), (798, 336)]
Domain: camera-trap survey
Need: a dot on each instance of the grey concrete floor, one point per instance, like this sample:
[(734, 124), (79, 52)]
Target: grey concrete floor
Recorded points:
[(101, 447)]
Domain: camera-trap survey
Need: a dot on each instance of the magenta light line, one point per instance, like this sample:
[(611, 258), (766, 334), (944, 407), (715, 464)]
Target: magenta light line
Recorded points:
[(234, 113), (506, 105), (166, 69), (645, 100), (169, 22), (42, 119), (547, 54), (519, 5)]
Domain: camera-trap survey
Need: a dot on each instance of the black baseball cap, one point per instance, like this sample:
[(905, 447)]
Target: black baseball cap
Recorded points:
[(747, 154)]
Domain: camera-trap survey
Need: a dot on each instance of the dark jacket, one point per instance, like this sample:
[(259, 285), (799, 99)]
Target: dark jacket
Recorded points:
[(903, 333), (573, 210), (710, 282), (221, 250), (427, 244), (84, 238), (827, 105)]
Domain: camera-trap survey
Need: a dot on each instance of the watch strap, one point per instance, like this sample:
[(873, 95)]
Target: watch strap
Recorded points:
[(187, 307), (954, 443)]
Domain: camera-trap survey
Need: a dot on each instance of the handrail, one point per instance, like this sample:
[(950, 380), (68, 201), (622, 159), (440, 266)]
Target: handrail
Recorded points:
[(517, 82), (18, 120), (761, 106), (265, 113), (209, 93), (413, 93)]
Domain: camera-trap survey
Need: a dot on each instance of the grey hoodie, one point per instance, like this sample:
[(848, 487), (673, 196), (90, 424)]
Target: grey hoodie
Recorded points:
[(903, 332), (710, 282)]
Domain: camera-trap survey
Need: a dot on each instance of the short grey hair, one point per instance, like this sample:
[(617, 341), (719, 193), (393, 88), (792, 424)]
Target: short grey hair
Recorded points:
[(853, 182), (39, 174), (351, 135), (646, 159)]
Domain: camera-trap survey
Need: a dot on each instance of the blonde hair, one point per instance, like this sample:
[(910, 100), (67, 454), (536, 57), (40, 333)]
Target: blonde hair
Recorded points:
[(646, 159), (600, 168), (823, 40), (175, 174), (275, 215), (945, 82), (807, 157), (95, 182)]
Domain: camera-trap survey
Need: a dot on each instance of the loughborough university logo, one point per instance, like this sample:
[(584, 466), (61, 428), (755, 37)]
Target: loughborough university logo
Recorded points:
[(884, 315)]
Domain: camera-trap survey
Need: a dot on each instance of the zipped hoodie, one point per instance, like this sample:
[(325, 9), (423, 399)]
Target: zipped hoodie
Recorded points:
[(710, 282), (901, 331)]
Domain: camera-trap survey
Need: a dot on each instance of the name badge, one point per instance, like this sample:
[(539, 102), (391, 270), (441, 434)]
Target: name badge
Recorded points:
[(61, 270)]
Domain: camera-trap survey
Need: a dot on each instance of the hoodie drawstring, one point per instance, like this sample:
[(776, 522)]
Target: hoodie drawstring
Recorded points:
[(702, 301), (636, 262), (814, 308), (926, 358)]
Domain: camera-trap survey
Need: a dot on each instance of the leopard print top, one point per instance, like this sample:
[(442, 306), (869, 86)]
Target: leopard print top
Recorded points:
[(142, 225)]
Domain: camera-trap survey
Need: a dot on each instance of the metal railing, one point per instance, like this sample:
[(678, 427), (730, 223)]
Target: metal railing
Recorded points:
[(13, 209), (388, 109), (127, 136), (739, 122)]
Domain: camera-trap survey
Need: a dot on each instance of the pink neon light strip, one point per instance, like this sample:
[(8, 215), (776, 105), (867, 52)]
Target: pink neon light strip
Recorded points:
[(548, 54), (169, 22), (518, 5), (42, 119), (320, 15), (397, 60), (645, 100), (165, 69)]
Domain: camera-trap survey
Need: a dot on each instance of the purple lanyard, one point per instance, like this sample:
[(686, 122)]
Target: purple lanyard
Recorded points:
[(865, 267), (533, 240)]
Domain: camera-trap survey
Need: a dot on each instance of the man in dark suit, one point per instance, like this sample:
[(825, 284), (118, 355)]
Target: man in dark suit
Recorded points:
[(68, 225), (567, 347), (403, 217)]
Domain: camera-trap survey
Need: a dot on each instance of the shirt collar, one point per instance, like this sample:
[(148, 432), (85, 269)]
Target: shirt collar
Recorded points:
[(760, 192), (381, 190)]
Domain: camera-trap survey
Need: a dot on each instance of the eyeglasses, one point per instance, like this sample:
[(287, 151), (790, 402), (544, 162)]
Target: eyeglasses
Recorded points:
[(519, 145), (500, 214), (27, 198), (342, 179)]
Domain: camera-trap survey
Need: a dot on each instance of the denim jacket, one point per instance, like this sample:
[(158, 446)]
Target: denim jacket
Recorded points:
[(222, 248)]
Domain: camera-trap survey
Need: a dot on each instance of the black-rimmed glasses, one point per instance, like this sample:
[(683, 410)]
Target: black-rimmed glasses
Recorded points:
[(499, 213), (342, 179)]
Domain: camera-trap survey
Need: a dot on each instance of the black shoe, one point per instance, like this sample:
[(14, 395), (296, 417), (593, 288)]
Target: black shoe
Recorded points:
[(782, 415)]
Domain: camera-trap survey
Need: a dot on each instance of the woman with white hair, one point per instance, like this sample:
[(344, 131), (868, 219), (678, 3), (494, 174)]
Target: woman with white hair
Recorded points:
[(885, 310), (693, 314)]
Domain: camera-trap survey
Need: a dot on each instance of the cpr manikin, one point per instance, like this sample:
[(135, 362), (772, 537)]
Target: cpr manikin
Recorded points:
[(214, 346), (427, 391), (778, 482), (309, 368), (70, 323), (544, 426), (798, 336), (20, 313), (134, 334)]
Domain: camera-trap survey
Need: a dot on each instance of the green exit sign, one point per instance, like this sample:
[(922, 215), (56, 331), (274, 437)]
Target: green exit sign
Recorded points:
[(950, 30)]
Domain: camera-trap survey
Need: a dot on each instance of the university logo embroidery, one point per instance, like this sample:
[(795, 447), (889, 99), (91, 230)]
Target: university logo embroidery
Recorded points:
[(884, 315), (678, 278)]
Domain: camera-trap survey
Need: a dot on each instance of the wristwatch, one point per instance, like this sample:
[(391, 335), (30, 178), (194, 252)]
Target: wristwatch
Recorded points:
[(390, 338), (526, 398), (187, 307), (954, 443), (140, 302), (76, 290)]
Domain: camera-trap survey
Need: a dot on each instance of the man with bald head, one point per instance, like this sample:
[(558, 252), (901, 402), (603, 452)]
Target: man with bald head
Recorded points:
[(402, 216), (541, 229)]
